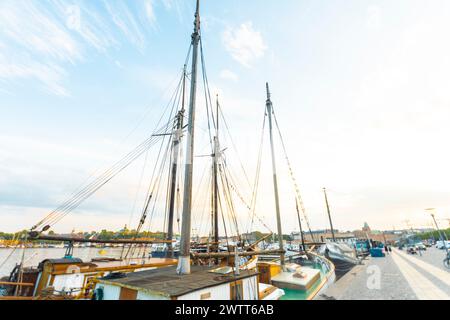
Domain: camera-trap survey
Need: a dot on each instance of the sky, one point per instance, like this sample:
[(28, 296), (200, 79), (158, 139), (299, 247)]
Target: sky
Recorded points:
[(361, 90)]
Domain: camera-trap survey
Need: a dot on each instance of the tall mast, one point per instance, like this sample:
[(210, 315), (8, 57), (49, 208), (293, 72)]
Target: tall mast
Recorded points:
[(269, 107), (184, 262), (215, 178), (178, 132), (300, 225), (329, 214)]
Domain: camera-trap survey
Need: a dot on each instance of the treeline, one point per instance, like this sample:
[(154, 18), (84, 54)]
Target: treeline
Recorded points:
[(102, 235), (435, 235), (10, 236), (124, 234)]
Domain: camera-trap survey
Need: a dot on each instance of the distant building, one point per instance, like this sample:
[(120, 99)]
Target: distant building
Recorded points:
[(375, 235), (324, 236), (366, 228)]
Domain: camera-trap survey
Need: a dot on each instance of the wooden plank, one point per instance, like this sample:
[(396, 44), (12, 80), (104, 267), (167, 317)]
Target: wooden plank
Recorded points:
[(15, 298), (128, 294), (80, 240), (19, 284), (241, 254), (165, 263)]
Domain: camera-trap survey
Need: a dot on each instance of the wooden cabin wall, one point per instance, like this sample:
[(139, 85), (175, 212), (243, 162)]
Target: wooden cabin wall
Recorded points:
[(221, 292)]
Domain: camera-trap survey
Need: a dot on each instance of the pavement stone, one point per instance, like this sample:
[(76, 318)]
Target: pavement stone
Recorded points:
[(359, 283)]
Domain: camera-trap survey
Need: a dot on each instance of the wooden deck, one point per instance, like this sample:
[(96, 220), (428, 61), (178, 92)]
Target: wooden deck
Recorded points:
[(165, 282)]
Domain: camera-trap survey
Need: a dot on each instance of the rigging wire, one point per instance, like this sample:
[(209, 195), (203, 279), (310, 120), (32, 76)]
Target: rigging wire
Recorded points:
[(233, 144), (208, 100), (139, 188), (94, 186), (257, 177), (71, 204), (292, 175), (155, 182), (80, 196), (228, 199)]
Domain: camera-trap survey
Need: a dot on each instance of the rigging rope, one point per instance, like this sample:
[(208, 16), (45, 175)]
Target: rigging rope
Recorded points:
[(86, 192), (71, 204), (257, 178), (292, 175)]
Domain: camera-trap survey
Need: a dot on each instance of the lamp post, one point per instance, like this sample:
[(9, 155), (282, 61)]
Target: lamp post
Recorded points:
[(432, 212)]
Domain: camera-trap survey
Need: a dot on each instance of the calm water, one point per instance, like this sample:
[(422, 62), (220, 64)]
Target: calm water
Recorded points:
[(34, 256)]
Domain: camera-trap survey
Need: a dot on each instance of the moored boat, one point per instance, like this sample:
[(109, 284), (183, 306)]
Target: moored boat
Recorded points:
[(343, 257)]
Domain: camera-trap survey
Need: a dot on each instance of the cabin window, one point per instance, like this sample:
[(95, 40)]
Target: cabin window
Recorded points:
[(237, 290), (127, 294)]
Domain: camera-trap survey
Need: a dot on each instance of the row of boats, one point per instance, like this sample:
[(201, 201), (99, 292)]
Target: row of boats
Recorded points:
[(242, 275), (184, 271)]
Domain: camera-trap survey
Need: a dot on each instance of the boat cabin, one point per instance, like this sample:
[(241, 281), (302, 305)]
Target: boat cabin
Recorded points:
[(203, 283), (74, 278)]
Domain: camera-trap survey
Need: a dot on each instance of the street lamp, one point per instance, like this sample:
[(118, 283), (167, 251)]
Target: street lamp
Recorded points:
[(432, 212)]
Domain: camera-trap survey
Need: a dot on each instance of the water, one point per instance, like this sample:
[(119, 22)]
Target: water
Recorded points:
[(34, 256), (291, 294)]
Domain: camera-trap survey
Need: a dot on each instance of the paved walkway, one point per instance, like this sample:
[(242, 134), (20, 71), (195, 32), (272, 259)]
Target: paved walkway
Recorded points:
[(399, 276)]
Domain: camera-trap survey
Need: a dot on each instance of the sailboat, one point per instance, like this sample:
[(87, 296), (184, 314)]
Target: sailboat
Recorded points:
[(185, 271), (190, 281), (305, 276), (342, 255), (143, 277)]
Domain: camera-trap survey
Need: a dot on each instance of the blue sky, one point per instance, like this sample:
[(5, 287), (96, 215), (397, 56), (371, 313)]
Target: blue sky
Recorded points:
[(361, 89)]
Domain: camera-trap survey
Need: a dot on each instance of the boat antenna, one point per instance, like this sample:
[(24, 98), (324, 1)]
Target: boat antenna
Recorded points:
[(184, 262), (269, 108), (329, 214)]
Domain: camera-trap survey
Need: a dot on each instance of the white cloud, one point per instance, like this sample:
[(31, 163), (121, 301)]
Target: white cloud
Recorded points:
[(50, 75), (150, 11), (244, 43), (178, 5), (124, 20), (229, 75), (30, 28), (39, 39)]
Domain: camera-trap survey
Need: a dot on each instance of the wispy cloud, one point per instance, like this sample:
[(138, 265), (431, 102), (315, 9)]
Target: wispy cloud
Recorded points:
[(150, 12), (126, 22), (175, 5), (244, 43), (39, 39)]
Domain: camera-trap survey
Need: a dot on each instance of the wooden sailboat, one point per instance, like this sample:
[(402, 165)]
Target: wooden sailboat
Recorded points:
[(73, 278), (167, 278), (342, 255), (188, 281), (302, 278)]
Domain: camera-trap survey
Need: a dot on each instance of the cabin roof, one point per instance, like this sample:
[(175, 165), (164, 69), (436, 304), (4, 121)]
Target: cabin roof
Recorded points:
[(166, 282)]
